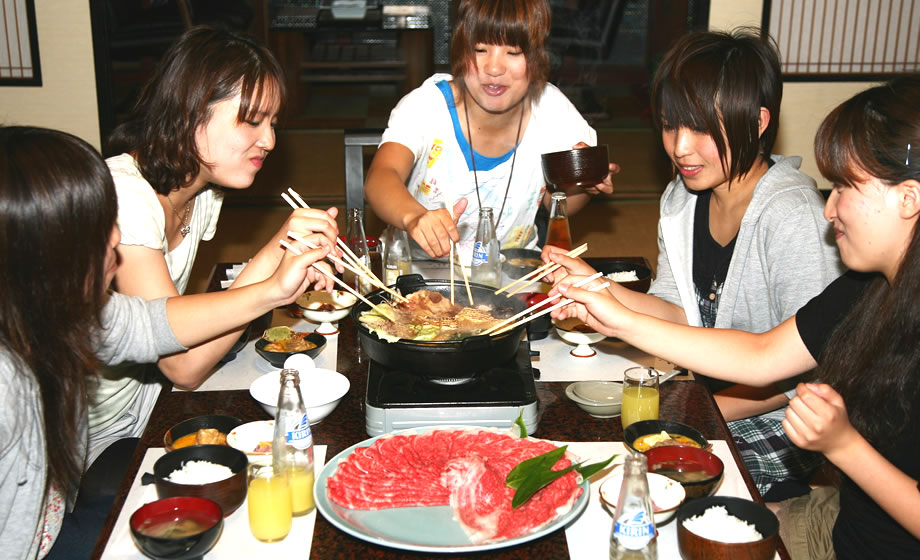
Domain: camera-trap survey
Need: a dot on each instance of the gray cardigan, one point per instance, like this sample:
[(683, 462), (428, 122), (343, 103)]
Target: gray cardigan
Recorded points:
[(133, 329), (784, 253)]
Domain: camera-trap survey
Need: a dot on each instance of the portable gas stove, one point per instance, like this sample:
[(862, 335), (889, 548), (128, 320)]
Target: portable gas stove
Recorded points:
[(398, 400)]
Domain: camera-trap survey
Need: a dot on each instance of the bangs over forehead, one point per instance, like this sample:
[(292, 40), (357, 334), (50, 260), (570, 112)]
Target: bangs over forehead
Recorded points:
[(502, 23), (689, 97), (259, 98)]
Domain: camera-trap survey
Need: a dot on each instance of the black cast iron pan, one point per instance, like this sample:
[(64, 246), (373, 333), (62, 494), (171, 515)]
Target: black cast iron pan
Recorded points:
[(454, 359)]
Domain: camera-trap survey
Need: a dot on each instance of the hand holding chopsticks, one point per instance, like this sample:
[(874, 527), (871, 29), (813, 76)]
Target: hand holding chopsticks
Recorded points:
[(346, 287), (532, 277), (354, 264), (565, 301), (536, 306)]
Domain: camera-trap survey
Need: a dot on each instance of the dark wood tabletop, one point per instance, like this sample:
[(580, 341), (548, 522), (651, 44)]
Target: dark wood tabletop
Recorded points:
[(689, 402)]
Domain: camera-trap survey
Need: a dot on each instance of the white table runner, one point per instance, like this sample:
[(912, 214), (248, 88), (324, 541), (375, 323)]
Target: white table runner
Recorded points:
[(613, 357), (241, 371), (236, 540), (589, 535)]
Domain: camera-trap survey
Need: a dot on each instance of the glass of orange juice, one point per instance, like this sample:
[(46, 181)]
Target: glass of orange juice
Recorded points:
[(269, 500), (640, 395)]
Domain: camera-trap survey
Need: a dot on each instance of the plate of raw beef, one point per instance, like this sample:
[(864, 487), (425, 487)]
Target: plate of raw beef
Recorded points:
[(442, 489)]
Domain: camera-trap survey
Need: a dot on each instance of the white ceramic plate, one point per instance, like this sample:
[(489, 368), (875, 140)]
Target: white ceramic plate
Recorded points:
[(246, 437), (423, 529)]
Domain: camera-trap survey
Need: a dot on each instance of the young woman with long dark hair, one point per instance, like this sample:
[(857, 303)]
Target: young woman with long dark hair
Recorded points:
[(58, 320)]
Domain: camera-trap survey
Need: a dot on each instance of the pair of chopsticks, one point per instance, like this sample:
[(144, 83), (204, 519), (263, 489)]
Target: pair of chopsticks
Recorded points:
[(296, 251), (354, 264), (563, 302), (532, 308), (532, 277), (456, 261)]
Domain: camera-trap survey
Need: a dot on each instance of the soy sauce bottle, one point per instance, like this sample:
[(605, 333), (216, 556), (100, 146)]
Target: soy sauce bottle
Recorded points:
[(292, 443)]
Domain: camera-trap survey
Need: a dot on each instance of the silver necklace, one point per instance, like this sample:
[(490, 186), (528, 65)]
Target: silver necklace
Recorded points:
[(184, 221), (517, 139)]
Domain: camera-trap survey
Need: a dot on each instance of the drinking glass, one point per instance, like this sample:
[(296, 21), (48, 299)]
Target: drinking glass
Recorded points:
[(640, 395), (269, 500)]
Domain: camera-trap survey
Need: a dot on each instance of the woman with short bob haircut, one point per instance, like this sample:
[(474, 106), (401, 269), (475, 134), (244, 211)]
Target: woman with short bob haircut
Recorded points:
[(741, 240), (741, 73)]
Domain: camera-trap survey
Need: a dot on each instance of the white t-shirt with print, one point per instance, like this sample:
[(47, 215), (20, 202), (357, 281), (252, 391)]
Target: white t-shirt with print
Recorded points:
[(425, 123)]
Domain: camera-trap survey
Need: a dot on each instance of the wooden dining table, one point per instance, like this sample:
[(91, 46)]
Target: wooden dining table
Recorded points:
[(689, 402)]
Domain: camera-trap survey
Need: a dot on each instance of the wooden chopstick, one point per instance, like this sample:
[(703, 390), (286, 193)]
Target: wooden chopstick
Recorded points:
[(466, 280), (565, 301), (541, 270), (348, 288), (534, 307), (357, 266), (357, 272), (547, 268)]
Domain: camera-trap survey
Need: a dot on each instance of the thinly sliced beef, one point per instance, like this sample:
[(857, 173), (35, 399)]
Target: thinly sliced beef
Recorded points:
[(463, 468)]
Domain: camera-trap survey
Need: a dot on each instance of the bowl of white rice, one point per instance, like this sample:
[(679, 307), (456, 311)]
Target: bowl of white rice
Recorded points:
[(635, 276), (216, 472), (723, 527)]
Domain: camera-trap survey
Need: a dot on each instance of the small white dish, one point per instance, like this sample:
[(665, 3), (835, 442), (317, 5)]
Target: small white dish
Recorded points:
[(250, 436), (581, 335), (667, 494), (322, 390), (601, 399), (325, 308)]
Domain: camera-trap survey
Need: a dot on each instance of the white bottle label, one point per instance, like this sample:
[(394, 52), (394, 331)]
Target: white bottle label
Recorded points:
[(480, 254), (634, 531), (299, 435)]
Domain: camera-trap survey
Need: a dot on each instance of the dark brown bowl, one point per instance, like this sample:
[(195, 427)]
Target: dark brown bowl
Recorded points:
[(643, 272), (222, 423), (577, 167), (645, 427), (695, 547), (277, 358), (206, 513), (520, 262), (674, 460), (228, 493)]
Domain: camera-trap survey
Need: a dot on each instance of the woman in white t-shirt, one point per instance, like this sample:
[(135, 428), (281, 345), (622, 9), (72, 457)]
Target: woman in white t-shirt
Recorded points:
[(205, 120), (497, 105)]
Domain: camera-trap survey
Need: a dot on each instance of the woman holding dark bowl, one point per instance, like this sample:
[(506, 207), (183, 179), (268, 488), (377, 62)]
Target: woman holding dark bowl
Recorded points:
[(59, 320), (741, 240), (861, 332), (474, 139)]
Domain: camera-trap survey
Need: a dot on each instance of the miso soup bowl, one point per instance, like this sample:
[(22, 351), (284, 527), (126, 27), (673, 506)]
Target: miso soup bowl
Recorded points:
[(205, 512)]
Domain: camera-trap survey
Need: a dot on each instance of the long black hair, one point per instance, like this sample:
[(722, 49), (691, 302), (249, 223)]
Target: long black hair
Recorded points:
[(57, 211), (873, 357)]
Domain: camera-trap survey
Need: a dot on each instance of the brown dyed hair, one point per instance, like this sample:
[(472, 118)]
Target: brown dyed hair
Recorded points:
[(873, 356), (518, 23), (714, 81), (57, 211), (201, 68)]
